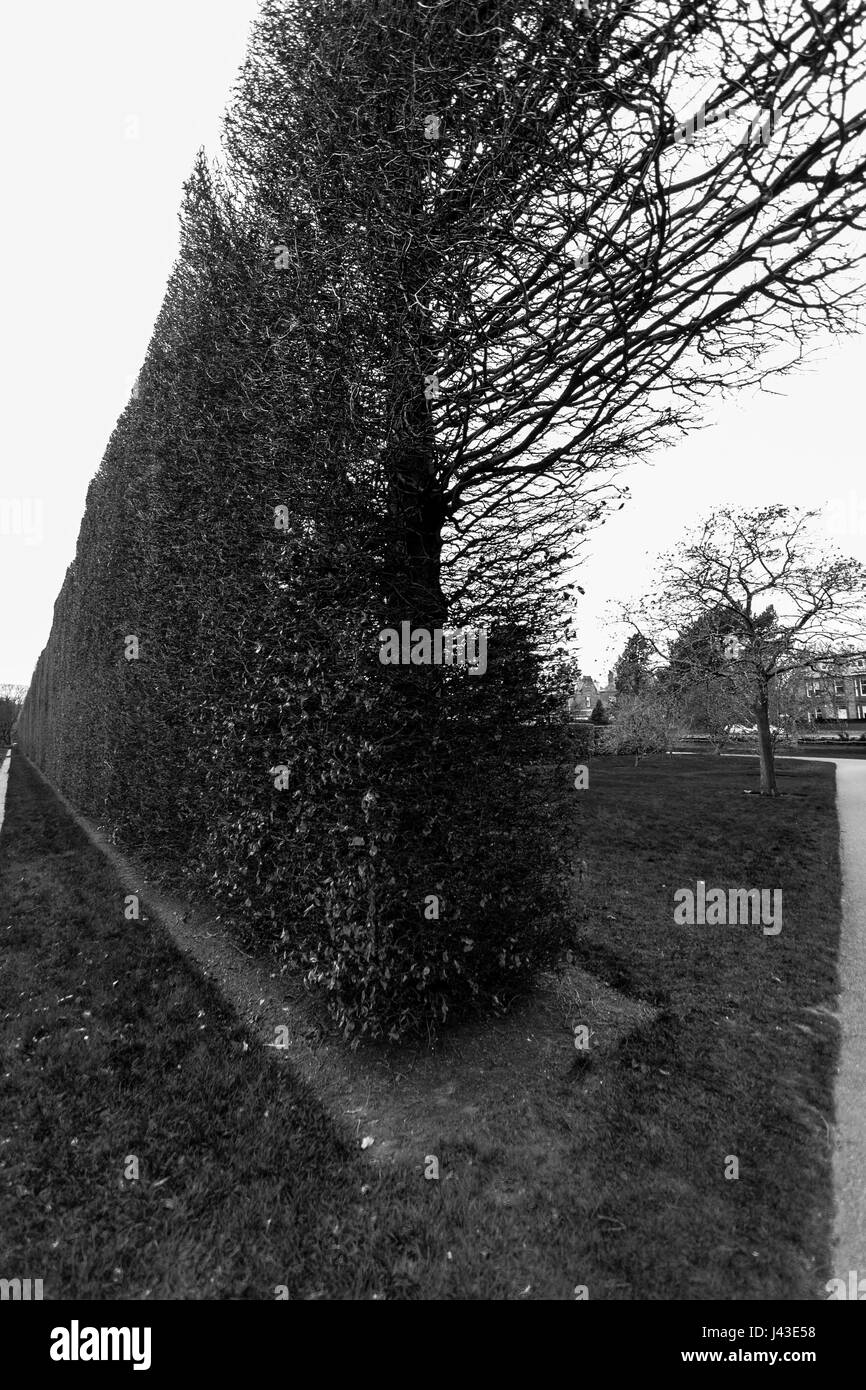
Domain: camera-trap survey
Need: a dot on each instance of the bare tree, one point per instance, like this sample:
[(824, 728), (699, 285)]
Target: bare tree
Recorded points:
[(649, 722), (550, 229), (11, 700), (750, 600)]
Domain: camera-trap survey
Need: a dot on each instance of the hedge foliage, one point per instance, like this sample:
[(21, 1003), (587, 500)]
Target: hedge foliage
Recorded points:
[(211, 690)]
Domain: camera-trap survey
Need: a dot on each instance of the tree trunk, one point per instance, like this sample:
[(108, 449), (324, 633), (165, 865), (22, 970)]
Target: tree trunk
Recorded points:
[(765, 747), (417, 515), (416, 510)]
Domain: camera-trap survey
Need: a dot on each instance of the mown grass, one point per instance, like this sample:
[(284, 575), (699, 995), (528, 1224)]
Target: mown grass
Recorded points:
[(114, 1046), (750, 1067)]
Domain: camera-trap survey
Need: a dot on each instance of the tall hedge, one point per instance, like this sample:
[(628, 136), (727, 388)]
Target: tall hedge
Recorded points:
[(211, 690)]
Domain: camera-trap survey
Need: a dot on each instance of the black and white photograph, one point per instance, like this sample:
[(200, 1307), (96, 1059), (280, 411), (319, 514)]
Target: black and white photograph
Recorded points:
[(432, 672)]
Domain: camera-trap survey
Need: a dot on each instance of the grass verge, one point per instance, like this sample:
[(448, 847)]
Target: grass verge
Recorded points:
[(609, 1175)]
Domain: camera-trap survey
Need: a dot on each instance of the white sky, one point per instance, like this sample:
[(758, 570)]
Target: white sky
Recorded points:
[(88, 240), (803, 444)]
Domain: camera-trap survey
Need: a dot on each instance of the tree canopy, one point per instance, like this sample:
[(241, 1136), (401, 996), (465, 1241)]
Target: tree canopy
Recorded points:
[(750, 599)]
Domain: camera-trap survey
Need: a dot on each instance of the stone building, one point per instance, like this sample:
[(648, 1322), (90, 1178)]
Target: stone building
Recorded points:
[(837, 698), (608, 693), (587, 695)]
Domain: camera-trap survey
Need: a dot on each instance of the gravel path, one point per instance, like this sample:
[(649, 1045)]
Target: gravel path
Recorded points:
[(849, 1157), (4, 778)]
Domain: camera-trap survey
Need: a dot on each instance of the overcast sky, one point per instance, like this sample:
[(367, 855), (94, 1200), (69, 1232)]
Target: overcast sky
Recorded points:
[(104, 104)]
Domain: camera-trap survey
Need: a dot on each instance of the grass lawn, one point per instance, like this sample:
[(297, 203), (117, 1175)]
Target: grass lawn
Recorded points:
[(604, 1170)]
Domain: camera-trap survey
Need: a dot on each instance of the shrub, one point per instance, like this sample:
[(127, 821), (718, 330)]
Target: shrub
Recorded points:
[(599, 714), (644, 724)]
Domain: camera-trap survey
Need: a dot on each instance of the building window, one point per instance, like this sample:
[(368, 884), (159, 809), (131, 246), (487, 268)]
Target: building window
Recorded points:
[(860, 686), (839, 687), (841, 712), (861, 709)]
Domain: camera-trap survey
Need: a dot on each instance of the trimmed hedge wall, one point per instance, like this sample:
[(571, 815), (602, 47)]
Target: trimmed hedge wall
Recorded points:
[(211, 690), (271, 499)]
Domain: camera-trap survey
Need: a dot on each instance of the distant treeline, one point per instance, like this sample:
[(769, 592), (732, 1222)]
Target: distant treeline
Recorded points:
[(11, 700)]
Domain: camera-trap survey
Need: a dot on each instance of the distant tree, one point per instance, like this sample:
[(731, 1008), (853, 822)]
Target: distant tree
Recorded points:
[(751, 600), (599, 714), (647, 723), (710, 698), (791, 707), (632, 672), (11, 700), (569, 673), (711, 708)]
